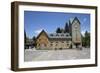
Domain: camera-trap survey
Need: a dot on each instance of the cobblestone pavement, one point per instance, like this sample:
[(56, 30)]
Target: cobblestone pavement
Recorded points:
[(44, 55)]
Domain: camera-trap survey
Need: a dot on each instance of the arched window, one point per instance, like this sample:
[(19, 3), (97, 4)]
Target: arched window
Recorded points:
[(51, 44), (45, 45)]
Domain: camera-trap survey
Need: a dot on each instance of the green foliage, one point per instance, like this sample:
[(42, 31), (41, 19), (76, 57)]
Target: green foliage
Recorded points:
[(86, 39), (25, 40), (61, 30), (25, 36), (58, 30), (34, 41), (66, 28), (34, 38)]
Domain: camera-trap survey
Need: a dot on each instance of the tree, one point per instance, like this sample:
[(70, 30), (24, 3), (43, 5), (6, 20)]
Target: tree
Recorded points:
[(24, 36), (83, 41), (58, 30), (34, 41), (25, 39), (34, 38), (86, 39), (66, 30), (62, 30)]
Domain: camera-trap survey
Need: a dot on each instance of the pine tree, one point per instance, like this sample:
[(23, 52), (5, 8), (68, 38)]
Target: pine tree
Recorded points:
[(34, 38), (25, 39), (86, 39), (66, 30), (34, 41), (25, 36), (58, 30)]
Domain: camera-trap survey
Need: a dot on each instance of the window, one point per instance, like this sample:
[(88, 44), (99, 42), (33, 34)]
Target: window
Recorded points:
[(51, 34), (62, 35), (56, 44), (67, 41), (51, 44), (67, 35), (62, 41), (39, 39), (67, 44), (57, 35), (38, 44), (45, 45)]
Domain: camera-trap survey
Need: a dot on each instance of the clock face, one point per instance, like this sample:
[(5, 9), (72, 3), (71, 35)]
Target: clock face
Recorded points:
[(76, 26)]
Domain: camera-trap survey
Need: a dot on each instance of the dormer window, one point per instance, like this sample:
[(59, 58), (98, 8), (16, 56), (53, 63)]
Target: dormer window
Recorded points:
[(57, 35), (62, 35), (62, 41), (51, 34), (39, 39), (56, 42), (66, 34)]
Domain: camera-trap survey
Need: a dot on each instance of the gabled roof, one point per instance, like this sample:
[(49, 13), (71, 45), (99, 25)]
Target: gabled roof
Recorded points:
[(71, 22), (75, 19), (55, 35), (41, 33)]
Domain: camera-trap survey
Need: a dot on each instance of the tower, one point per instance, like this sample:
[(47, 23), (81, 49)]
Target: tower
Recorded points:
[(76, 33)]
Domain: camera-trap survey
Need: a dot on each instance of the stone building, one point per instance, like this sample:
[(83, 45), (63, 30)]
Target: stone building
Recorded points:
[(71, 39)]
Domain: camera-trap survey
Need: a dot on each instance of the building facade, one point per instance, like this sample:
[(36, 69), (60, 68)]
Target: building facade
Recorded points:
[(71, 39)]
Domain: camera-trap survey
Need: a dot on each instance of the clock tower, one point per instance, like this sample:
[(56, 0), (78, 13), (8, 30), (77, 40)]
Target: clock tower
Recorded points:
[(76, 33)]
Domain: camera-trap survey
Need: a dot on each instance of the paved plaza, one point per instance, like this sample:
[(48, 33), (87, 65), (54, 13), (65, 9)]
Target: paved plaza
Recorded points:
[(45, 55)]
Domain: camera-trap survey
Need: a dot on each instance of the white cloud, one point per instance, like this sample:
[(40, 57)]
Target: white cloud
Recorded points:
[(38, 31), (83, 32)]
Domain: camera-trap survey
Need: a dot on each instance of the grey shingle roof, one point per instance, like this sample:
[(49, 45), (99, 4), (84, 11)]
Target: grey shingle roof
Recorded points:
[(59, 35)]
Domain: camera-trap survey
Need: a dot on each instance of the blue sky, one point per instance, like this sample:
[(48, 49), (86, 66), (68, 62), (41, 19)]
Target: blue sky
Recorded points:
[(35, 21)]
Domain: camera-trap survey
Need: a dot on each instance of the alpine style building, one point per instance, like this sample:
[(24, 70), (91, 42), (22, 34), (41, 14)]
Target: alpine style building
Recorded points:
[(71, 39)]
